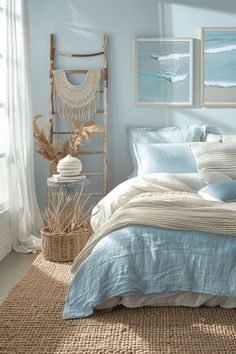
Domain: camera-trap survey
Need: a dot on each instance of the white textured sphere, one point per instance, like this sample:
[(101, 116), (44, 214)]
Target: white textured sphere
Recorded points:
[(69, 166)]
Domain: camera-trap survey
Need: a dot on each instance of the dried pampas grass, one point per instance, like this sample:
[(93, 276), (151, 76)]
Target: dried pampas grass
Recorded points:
[(55, 152), (44, 146), (87, 130), (84, 132)]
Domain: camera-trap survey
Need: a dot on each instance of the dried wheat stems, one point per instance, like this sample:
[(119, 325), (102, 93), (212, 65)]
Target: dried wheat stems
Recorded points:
[(66, 213)]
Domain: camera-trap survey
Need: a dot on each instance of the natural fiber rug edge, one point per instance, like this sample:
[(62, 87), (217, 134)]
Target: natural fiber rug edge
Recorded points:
[(30, 322)]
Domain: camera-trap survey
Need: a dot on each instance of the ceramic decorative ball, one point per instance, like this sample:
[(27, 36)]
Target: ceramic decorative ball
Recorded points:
[(69, 166)]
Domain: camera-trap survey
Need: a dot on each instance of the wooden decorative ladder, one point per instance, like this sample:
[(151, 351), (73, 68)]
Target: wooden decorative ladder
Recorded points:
[(101, 111)]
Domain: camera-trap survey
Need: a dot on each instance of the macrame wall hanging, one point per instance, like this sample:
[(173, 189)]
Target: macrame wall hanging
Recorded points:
[(76, 102)]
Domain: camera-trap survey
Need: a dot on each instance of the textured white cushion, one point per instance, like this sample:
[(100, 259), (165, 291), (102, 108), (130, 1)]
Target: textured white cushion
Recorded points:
[(228, 138), (215, 157), (220, 138), (213, 138)]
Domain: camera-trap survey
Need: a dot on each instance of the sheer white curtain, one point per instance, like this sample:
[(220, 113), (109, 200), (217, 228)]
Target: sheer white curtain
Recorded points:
[(25, 219), (3, 120)]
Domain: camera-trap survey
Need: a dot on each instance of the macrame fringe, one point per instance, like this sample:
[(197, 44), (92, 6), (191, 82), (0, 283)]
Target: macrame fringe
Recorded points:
[(73, 114), (76, 102)]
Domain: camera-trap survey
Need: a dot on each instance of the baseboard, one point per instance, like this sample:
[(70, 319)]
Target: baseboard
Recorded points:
[(5, 247), (5, 237)]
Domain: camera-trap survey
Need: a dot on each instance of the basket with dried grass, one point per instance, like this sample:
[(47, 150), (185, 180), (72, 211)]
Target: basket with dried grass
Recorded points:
[(67, 227)]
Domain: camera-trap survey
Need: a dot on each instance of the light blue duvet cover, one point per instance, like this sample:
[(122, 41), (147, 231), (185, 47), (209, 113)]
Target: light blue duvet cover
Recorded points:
[(150, 261)]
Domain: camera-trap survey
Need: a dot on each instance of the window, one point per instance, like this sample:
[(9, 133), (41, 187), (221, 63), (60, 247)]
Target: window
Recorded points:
[(3, 116)]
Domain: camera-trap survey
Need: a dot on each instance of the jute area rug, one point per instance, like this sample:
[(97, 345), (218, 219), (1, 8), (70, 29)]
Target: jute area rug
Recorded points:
[(30, 322)]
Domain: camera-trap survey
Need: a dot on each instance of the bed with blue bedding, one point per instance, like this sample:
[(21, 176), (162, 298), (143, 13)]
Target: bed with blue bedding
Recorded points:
[(151, 249)]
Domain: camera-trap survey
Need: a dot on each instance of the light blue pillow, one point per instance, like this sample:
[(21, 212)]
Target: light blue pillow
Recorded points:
[(169, 158), (172, 134), (220, 191)]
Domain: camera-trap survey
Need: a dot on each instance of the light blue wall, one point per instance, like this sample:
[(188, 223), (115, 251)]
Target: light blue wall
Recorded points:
[(81, 23)]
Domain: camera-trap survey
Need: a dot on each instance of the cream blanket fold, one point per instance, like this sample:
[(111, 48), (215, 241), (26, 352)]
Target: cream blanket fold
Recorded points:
[(171, 208)]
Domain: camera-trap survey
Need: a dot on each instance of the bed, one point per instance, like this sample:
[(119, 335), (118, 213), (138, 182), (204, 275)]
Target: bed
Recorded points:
[(162, 239)]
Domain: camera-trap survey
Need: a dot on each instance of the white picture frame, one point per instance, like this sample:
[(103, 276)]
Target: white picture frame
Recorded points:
[(218, 67), (164, 71)]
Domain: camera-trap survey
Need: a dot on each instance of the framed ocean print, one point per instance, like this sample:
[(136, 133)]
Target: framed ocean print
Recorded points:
[(218, 66), (164, 71)]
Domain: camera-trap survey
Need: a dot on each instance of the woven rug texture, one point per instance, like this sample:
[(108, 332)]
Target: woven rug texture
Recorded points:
[(30, 322)]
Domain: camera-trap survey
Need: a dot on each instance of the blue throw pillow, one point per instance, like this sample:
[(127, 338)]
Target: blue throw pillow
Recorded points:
[(172, 134), (168, 158), (220, 191)]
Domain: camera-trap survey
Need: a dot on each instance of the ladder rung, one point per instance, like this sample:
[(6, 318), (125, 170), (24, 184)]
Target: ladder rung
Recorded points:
[(93, 173), (73, 71), (61, 133), (64, 54), (99, 111), (76, 71), (57, 133), (91, 153)]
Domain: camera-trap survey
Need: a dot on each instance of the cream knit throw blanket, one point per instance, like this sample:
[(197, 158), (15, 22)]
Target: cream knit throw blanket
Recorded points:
[(171, 210)]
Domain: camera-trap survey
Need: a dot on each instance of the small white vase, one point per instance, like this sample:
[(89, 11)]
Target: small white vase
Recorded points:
[(69, 166)]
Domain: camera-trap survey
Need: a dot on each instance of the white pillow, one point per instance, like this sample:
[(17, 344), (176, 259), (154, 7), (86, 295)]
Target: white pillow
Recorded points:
[(168, 158), (213, 138), (228, 138), (172, 134), (220, 138)]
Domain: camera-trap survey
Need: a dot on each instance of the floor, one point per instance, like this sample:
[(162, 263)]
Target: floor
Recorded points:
[(12, 269)]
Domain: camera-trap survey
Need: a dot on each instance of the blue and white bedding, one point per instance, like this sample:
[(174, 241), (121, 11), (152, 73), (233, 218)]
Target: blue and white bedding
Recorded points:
[(141, 260)]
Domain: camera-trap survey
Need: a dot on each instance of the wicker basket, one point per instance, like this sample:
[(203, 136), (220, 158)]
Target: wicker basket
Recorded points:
[(64, 247)]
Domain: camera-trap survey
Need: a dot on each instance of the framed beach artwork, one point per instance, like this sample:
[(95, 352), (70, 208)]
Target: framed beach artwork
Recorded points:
[(218, 66), (164, 71)]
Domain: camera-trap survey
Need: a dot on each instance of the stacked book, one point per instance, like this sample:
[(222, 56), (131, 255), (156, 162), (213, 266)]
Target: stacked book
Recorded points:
[(60, 178)]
